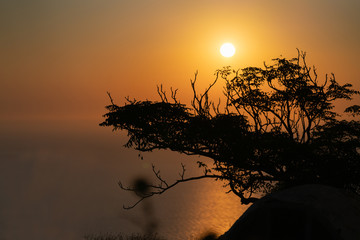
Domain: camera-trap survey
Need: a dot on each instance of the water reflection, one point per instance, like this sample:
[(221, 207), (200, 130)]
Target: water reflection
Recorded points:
[(199, 208), (59, 180)]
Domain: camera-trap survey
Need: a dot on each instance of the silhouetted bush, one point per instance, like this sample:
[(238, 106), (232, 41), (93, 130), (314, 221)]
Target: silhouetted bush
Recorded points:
[(118, 236), (276, 128)]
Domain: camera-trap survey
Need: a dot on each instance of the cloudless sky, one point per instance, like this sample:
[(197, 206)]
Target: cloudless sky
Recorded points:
[(58, 58)]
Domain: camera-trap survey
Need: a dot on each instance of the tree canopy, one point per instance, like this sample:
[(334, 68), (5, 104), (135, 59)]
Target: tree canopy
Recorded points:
[(276, 127)]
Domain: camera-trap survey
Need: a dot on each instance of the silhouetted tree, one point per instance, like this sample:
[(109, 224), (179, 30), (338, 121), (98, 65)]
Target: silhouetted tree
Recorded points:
[(275, 128)]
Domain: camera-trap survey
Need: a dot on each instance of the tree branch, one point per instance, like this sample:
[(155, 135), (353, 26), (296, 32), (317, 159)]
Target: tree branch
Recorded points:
[(160, 189)]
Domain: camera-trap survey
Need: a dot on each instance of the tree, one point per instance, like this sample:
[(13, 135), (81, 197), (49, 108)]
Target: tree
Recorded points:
[(275, 128)]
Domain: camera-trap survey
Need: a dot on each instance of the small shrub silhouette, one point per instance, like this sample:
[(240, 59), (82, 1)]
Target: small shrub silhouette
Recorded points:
[(118, 236)]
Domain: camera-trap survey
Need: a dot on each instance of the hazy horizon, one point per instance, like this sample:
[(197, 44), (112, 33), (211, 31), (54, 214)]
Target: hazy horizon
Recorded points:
[(59, 58)]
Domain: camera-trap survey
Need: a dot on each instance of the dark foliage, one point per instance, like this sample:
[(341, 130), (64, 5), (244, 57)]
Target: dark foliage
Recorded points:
[(276, 128)]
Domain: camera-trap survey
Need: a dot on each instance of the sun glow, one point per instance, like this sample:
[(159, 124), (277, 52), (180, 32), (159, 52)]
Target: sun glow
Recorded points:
[(227, 50)]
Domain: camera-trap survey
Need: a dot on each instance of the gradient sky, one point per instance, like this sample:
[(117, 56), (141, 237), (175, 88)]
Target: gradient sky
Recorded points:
[(58, 58)]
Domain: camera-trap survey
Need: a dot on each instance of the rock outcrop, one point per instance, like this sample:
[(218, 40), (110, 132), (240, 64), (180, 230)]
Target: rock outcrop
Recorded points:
[(306, 212)]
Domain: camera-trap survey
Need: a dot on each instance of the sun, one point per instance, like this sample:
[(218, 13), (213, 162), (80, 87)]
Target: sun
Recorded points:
[(227, 50)]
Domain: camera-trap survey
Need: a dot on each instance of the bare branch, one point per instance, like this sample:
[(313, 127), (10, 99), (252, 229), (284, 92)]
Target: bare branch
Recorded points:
[(183, 171), (173, 95), (200, 102), (162, 93), (111, 99), (157, 174), (160, 190)]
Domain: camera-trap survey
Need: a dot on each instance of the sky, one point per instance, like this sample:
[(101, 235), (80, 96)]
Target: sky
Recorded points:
[(58, 59)]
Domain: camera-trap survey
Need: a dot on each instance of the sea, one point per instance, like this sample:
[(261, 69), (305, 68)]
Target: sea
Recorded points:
[(59, 180)]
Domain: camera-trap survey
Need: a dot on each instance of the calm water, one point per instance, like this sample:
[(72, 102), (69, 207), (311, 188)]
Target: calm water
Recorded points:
[(58, 180)]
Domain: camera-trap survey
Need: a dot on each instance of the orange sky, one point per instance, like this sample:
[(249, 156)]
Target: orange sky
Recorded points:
[(58, 58)]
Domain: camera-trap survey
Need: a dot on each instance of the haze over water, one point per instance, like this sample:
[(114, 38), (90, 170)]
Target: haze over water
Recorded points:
[(58, 180)]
